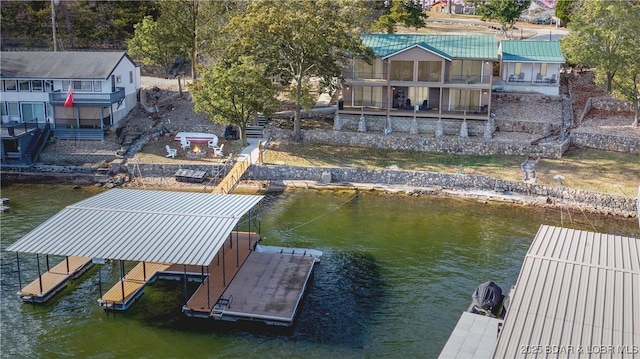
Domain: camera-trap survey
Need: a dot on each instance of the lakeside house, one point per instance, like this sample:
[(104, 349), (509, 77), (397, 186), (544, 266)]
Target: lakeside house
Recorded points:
[(440, 83), (530, 66), (71, 94)]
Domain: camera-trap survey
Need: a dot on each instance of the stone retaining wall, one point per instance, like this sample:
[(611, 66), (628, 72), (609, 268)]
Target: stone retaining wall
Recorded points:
[(78, 159), (404, 124), (606, 142), (447, 144), (169, 170), (599, 202)]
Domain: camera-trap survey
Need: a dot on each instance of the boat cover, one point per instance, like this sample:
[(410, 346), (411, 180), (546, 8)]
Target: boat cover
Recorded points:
[(487, 295)]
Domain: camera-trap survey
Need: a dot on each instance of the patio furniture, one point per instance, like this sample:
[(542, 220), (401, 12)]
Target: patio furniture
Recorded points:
[(520, 77), (184, 143), (217, 151), (171, 152), (538, 77), (213, 143)]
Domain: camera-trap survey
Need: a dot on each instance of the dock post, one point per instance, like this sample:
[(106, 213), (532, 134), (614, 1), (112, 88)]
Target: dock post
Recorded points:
[(122, 278), (186, 295), (19, 279), (208, 295), (47, 257), (238, 251), (224, 276), (67, 260), (144, 271), (100, 280), (39, 274)]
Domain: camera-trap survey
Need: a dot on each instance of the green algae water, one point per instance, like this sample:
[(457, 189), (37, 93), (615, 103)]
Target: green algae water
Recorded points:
[(397, 272)]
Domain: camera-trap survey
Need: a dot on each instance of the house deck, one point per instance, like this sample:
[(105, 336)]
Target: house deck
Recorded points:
[(55, 279)]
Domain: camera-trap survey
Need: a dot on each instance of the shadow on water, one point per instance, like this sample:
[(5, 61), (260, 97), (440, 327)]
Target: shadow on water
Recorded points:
[(339, 304)]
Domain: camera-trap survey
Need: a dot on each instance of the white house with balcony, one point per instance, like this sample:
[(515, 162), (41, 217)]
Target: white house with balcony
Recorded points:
[(35, 85), (530, 66)]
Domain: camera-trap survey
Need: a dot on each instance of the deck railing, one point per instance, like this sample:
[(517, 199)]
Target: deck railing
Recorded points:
[(58, 97)]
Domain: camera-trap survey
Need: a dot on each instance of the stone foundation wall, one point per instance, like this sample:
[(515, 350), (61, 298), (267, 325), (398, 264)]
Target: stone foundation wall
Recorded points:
[(536, 128), (403, 124), (600, 202)]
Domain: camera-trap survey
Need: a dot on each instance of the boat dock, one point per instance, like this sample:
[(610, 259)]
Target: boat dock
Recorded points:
[(181, 236), (55, 279)]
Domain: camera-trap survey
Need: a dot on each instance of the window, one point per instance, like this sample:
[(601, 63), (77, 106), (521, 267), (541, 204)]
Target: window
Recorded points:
[(33, 112), (429, 71), (543, 69), (118, 79), (367, 96), (13, 110), (130, 77), (23, 85), (518, 68), (82, 85), (48, 85), (401, 70), (10, 85), (36, 86), (97, 86), (362, 69)]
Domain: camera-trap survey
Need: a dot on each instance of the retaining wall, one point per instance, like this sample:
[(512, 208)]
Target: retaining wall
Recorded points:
[(599, 202), (606, 142), (476, 145)]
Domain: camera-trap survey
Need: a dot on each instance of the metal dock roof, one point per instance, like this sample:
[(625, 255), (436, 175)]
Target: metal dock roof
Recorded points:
[(578, 294), (141, 225)]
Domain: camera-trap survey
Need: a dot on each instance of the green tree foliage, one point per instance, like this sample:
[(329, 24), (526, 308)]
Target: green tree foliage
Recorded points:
[(605, 35), (153, 44), (393, 12), (506, 12), (233, 92), (79, 23), (195, 24), (298, 40), (564, 9)]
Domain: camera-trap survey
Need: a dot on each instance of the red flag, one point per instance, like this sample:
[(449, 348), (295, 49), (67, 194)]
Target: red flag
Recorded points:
[(69, 101)]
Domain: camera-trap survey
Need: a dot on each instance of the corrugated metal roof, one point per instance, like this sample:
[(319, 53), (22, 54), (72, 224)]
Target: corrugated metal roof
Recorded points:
[(577, 292), (449, 46), (531, 51), (141, 225), (90, 65)]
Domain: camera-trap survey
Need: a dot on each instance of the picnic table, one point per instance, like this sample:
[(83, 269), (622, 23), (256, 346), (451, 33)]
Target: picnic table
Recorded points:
[(197, 137)]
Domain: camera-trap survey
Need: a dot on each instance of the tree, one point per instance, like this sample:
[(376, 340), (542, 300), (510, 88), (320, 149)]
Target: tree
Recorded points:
[(233, 92), (297, 40), (626, 82), (563, 11), (393, 12), (153, 44), (606, 36), (506, 12)]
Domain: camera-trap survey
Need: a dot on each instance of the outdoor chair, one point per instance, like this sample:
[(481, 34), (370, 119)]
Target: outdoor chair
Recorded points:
[(213, 143), (171, 152), (521, 77), (217, 151), (538, 77), (184, 143)]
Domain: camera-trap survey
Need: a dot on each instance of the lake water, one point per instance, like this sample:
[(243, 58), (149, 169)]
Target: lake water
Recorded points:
[(397, 273)]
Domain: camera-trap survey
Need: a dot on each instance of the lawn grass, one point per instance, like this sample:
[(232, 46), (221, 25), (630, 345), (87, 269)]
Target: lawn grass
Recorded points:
[(601, 171)]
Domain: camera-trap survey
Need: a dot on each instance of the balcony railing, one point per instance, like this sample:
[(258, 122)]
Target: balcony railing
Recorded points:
[(468, 79), (88, 98)]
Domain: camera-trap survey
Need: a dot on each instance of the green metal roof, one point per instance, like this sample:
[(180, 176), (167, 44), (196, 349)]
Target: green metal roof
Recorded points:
[(531, 51), (448, 46)]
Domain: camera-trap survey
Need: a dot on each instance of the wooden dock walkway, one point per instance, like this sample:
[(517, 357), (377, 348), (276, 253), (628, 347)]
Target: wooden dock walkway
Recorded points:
[(129, 288), (230, 181), (55, 279), (209, 292)]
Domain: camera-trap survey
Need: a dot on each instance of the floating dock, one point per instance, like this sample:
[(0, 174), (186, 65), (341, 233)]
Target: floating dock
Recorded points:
[(54, 280), (182, 236)]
